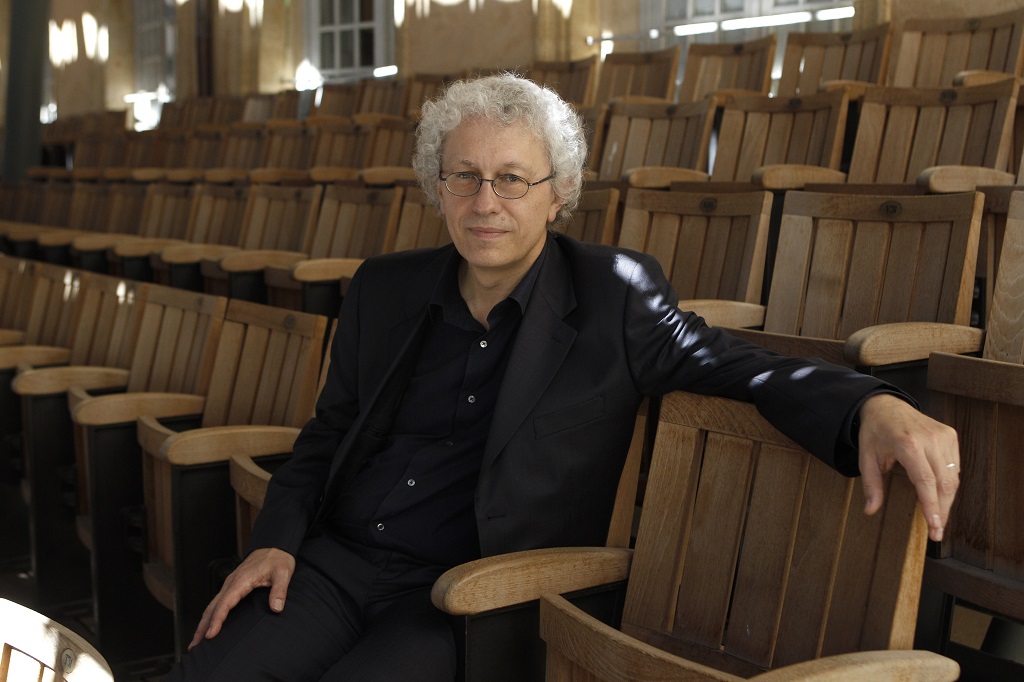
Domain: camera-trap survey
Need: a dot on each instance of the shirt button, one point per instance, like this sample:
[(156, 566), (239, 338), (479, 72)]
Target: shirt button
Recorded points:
[(411, 482), (449, 443), (483, 344), (380, 526), (471, 399)]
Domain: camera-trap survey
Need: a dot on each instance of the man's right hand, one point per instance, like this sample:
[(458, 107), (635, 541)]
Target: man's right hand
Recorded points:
[(268, 567)]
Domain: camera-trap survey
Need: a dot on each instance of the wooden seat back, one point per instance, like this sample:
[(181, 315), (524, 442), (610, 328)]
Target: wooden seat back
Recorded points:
[(339, 141), (652, 74), (288, 144), (814, 58), (105, 324), (655, 134), (216, 213), (244, 145), (391, 143), (90, 206), (845, 262), (752, 554), (34, 647), (596, 218), (355, 221), (280, 217), (902, 131), (17, 281), (930, 52), (53, 305), (381, 96), (712, 67), (710, 245), (421, 87), (337, 99), (758, 131), (419, 224), (573, 80), (165, 211), (125, 209)]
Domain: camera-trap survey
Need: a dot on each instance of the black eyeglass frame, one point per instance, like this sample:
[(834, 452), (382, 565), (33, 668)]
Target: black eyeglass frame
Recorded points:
[(480, 183)]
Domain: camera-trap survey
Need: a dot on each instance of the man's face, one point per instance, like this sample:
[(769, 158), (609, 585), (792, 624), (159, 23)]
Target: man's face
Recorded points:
[(496, 236)]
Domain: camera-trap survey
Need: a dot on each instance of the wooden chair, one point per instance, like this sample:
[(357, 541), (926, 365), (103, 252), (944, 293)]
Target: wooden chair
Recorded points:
[(596, 218), (354, 222), (980, 563), (872, 282), (931, 53), (336, 99), (75, 419), (421, 87), (751, 556), (381, 96), (46, 308), (654, 134), (710, 245), (419, 224), (573, 80), (814, 59), (651, 74), (33, 647), (17, 283), (717, 67), (265, 373)]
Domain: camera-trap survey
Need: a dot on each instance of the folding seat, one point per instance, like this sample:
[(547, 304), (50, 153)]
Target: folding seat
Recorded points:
[(651, 74), (727, 67)]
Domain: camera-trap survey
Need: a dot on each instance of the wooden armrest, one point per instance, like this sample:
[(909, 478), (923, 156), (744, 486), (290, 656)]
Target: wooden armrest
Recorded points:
[(149, 174), (893, 665), (215, 443), (829, 350), (60, 237), (249, 260), (226, 176), (194, 253), (662, 177), (387, 175), (724, 313), (185, 175), (11, 337), (248, 479), (12, 356), (885, 344), (127, 407), (506, 579), (278, 176), (948, 179), (979, 378), (973, 77), (100, 242), (854, 89), (582, 638), (144, 246), (50, 380), (795, 176), (329, 174), (325, 269)]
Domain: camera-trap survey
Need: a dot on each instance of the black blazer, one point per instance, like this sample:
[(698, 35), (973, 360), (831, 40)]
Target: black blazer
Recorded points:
[(601, 330)]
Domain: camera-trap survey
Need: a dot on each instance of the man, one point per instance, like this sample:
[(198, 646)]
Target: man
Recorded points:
[(480, 400)]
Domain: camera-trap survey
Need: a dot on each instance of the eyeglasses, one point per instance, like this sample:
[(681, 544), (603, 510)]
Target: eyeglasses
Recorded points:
[(507, 186)]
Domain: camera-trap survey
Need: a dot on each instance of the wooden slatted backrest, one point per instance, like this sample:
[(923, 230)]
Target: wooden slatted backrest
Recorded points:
[(34, 647), (727, 66), (752, 554), (257, 108), (652, 74), (216, 213), (391, 143), (656, 134), (1004, 338), (175, 340), (758, 130), (710, 245), (125, 210), (419, 224), (813, 58), (902, 131), (90, 205), (381, 96), (280, 217), (52, 203), (574, 81), (54, 304), (288, 144), (421, 87), (17, 282), (355, 222), (286, 105), (596, 218), (337, 99), (266, 366), (243, 145), (929, 53), (204, 147), (339, 141), (105, 327), (845, 262), (166, 210)]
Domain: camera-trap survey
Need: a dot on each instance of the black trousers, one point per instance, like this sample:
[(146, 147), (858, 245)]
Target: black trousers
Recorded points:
[(365, 615)]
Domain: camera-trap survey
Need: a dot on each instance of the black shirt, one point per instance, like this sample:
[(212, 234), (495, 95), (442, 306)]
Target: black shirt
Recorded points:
[(416, 496)]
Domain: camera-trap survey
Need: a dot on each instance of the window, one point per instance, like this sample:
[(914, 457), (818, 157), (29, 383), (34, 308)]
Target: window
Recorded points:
[(349, 38)]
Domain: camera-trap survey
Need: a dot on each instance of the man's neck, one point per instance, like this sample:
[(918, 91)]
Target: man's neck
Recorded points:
[(483, 290)]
